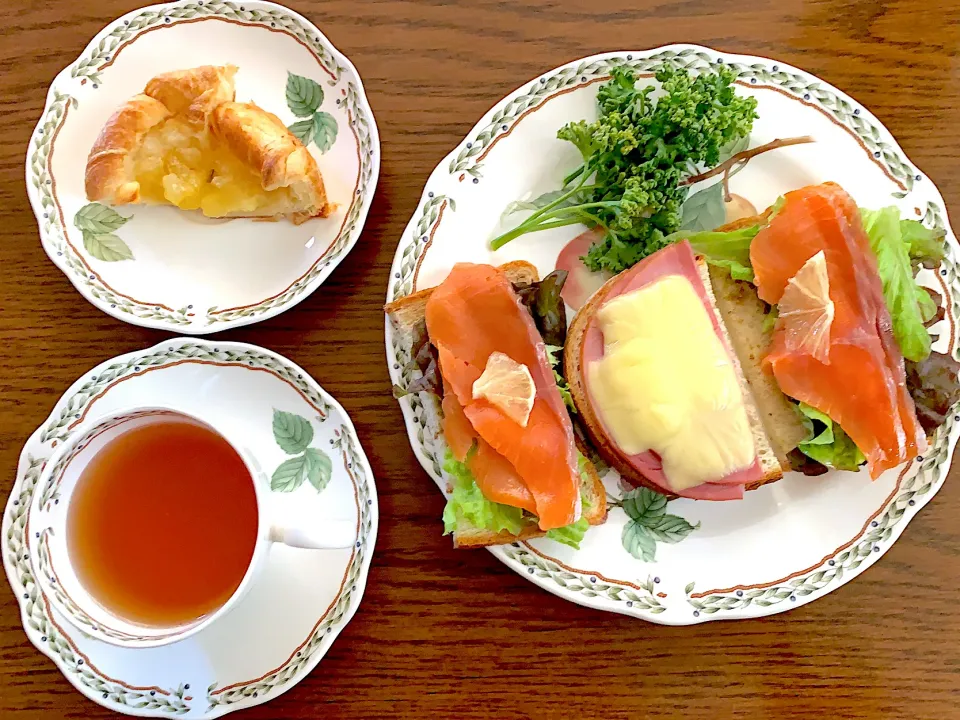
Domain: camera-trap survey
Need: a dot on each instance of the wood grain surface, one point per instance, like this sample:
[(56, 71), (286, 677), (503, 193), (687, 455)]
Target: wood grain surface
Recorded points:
[(454, 634)]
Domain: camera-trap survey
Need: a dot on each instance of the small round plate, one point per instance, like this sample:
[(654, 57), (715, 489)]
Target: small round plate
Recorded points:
[(299, 604), (173, 270), (687, 561)]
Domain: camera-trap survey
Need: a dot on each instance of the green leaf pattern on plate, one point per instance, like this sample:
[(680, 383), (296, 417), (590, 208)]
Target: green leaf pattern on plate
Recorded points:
[(291, 474), (321, 468), (304, 98), (99, 219), (324, 130), (303, 129), (638, 542), (294, 433), (649, 524), (108, 248), (96, 222)]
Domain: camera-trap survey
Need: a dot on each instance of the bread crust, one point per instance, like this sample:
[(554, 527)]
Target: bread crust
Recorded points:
[(204, 98), (406, 314), (191, 93), (604, 446), (109, 175), (262, 141), (196, 92)]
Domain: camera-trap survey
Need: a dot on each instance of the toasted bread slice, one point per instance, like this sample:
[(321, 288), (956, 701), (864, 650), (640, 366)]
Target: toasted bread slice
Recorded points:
[(743, 314), (768, 457), (406, 315)]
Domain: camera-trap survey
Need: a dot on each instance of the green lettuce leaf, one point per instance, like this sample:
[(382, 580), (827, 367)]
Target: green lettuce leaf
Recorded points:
[(770, 318), (827, 443), (572, 534), (555, 354), (928, 306), (467, 502), (905, 300), (543, 300), (925, 245), (724, 249)]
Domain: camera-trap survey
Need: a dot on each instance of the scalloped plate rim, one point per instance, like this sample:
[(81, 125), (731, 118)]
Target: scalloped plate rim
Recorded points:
[(360, 585), (197, 329), (439, 177)]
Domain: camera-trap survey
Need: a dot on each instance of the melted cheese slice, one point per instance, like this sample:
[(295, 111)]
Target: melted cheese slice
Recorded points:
[(185, 166), (666, 383)]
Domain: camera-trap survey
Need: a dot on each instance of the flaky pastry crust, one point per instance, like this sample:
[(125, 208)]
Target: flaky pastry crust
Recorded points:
[(204, 98)]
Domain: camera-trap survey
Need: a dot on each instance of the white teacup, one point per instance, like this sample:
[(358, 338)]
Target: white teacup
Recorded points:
[(49, 541)]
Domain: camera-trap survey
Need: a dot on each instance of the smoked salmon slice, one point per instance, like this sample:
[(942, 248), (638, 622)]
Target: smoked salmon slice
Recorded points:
[(495, 476), (862, 384), (472, 314)]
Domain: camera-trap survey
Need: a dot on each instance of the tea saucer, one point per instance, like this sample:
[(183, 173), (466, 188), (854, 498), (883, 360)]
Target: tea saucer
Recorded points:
[(173, 270), (302, 600)]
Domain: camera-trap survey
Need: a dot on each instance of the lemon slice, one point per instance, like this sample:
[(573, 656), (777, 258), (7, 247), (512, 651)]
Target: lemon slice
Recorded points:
[(508, 386), (806, 309)]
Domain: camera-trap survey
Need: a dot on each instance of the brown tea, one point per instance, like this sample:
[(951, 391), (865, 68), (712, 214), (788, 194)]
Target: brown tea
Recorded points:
[(163, 523)]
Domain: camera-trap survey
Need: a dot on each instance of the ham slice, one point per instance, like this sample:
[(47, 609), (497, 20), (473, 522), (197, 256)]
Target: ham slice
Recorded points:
[(677, 259)]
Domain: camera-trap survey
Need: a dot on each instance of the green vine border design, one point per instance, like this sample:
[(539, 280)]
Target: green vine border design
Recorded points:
[(53, 233), (421, 412), (176, 702), (426, 224), (931, 470), (54, 643), (768, 73), (803, 88), (72, 410), (89, 67), (348, 234), (589, 586), (77, 614), (344, 442), (51, 489)]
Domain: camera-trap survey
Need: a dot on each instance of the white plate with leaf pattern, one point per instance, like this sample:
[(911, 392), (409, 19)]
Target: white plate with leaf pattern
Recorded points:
[(785, 544), (178, 271), (303, 599)]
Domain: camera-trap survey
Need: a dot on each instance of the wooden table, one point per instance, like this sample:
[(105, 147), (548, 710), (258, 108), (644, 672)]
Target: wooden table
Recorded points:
[(444, 633)]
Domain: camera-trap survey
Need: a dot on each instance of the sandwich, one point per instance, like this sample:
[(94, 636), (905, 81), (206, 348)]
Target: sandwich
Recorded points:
[(485, 347), (793, 340)]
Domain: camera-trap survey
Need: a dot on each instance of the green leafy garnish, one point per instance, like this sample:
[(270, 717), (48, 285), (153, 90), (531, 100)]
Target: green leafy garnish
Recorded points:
[(770, 318), (572, 534), (724, 249), (925, 245), (827, 443), (542, 299), (635, 157), (555, 354), (466, 502), (909, 304)]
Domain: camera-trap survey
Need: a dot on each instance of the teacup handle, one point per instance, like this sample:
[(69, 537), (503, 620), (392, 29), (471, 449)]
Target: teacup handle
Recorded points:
[(329, 535)]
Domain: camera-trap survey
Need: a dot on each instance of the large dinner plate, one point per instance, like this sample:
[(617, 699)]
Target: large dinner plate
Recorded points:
[(785, 544), (179, 271)]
